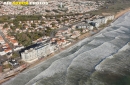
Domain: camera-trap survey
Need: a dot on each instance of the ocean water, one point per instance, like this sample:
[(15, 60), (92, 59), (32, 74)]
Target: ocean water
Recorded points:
[(102, 59)]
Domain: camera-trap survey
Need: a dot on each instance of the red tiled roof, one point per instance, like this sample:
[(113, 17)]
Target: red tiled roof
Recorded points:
[(1, 38), (7, 50), (13, 41)]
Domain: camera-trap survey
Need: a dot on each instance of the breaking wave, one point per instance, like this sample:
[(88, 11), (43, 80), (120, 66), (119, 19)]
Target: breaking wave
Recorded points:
[(85, 63)]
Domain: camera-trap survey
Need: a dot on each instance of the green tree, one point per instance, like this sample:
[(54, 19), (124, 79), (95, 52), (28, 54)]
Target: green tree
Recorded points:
[(15, 55), (5, 26)]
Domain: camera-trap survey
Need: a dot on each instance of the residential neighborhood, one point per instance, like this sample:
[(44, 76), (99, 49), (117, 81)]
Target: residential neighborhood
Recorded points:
[(59, 37), (53, 7), (31, 33)]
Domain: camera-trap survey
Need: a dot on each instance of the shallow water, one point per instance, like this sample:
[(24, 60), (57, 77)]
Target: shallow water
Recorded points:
[(104, 54)]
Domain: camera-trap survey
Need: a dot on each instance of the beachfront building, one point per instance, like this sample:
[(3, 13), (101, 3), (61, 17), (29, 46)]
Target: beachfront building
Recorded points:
[(84, 26), (37, 51), (101, 20), (110, 17)]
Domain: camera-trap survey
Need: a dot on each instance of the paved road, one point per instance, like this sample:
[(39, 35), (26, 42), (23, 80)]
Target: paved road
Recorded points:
[(6, 40)]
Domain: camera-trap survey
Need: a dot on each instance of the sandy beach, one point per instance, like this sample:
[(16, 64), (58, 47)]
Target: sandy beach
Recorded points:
[(120, 13), (83, 36)]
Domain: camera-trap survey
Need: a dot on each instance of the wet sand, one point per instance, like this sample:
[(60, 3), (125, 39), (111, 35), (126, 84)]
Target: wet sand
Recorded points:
[(79, 38), (120, 13)]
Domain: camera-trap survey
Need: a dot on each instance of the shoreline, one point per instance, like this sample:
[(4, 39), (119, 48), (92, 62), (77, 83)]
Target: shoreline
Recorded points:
[(81, 37), (121, 12)]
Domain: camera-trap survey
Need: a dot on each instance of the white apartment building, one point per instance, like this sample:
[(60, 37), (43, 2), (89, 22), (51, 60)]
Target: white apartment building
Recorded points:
[(99, 21), (37, 52)]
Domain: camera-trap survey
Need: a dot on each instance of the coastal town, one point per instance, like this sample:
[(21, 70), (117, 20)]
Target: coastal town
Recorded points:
[(53, 7), (24, 41)]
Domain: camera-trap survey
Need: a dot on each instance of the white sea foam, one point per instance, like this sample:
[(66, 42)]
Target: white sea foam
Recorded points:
[(79, 61)]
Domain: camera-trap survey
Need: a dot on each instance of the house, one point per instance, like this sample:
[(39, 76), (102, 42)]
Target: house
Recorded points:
[(13, 62), (90, 27), (81, 25), (2, 40), (75, 34), (14, 42), (2, 53), (66, 43), (8, 50)]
